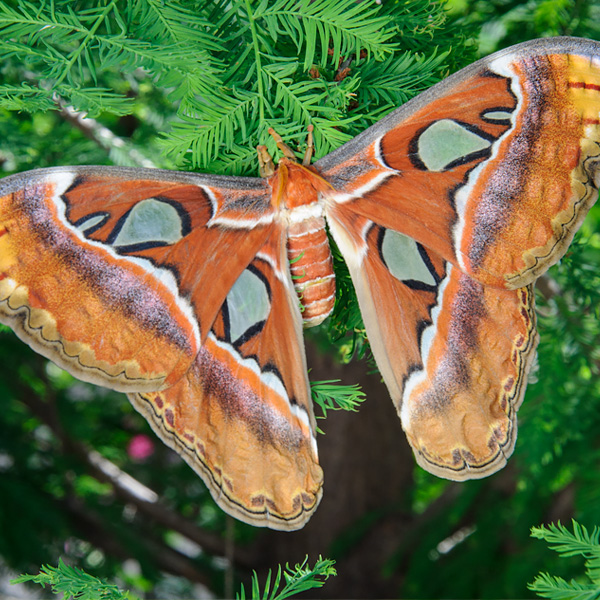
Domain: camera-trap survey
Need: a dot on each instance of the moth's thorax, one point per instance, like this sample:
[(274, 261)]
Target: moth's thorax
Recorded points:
[(295, 185), (296, 192)]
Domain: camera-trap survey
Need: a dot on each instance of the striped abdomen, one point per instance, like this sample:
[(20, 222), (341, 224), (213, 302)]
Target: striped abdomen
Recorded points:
[(312, 269)]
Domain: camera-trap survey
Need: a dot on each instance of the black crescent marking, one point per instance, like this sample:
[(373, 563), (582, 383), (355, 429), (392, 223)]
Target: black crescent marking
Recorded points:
[(248, 334), (506, 122), (261, 275), (226, 322), (413, 149), (184, 216), (87, 231), (381, 156), (77, 181), (271, 368)]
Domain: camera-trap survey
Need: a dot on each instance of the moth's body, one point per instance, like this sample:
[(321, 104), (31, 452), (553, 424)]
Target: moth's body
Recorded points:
[(182, 289), (297, 198)]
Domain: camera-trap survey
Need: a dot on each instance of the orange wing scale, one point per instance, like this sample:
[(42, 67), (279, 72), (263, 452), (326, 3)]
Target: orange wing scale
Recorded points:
[(196, 258), (557, 139), (406, 187), (460, 414)]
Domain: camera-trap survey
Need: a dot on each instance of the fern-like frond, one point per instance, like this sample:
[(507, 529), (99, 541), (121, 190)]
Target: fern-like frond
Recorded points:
[(345, 26), (38, 24), (171, 64), (72, 50), (579, 542), (299, 99), (291, 581), (396, 79), (94, 101), (330, 134), (331, 395), (592, 569), (560, 539), (240, 160), (129, 54), (167, 22), (74, 583), (25, 97), (556, 588), (221, 122)]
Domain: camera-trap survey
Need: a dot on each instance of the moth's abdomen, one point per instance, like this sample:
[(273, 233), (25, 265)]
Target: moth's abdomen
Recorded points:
[(312, 269)]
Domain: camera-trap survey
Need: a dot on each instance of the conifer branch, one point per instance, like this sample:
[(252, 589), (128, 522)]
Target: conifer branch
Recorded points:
[(258, 62), (83, 44), (347, 25), (578, 543), (331, 395), (74, 583), (291, 581)]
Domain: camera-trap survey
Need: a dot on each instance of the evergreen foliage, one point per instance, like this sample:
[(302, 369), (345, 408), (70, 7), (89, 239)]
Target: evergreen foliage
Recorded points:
[(295, 581), (578, 543), (233, 69), (332, 395), (74, 583)]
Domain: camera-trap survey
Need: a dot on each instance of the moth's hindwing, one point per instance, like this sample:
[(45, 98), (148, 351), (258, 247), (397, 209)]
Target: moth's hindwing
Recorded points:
[(242, 415), (166, 286)]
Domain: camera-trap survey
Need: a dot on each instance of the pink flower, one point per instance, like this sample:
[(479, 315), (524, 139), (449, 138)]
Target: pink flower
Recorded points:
[(140, 447)]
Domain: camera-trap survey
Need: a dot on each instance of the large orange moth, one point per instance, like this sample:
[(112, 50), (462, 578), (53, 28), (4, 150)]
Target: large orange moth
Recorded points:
[(177, 289)]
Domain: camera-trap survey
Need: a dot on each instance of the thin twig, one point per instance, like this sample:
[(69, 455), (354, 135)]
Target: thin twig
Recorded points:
[(101, 135)]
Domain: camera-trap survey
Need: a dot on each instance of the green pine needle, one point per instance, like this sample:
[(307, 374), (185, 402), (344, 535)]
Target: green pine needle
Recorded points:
[(25, 97), (559, 538), (331, 395), (74, 583), (577, 543), (231, 69), (289, 582), (556, 588)]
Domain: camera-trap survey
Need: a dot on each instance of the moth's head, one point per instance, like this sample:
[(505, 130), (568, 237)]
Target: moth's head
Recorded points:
[(266, 165)]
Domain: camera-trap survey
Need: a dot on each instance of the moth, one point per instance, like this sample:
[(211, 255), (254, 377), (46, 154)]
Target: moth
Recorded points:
[(182, 289)]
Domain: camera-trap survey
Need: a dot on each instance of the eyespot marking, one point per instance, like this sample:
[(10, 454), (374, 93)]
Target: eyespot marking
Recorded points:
[(446, 143), (153, 222), (248, 305), (404, 259)]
